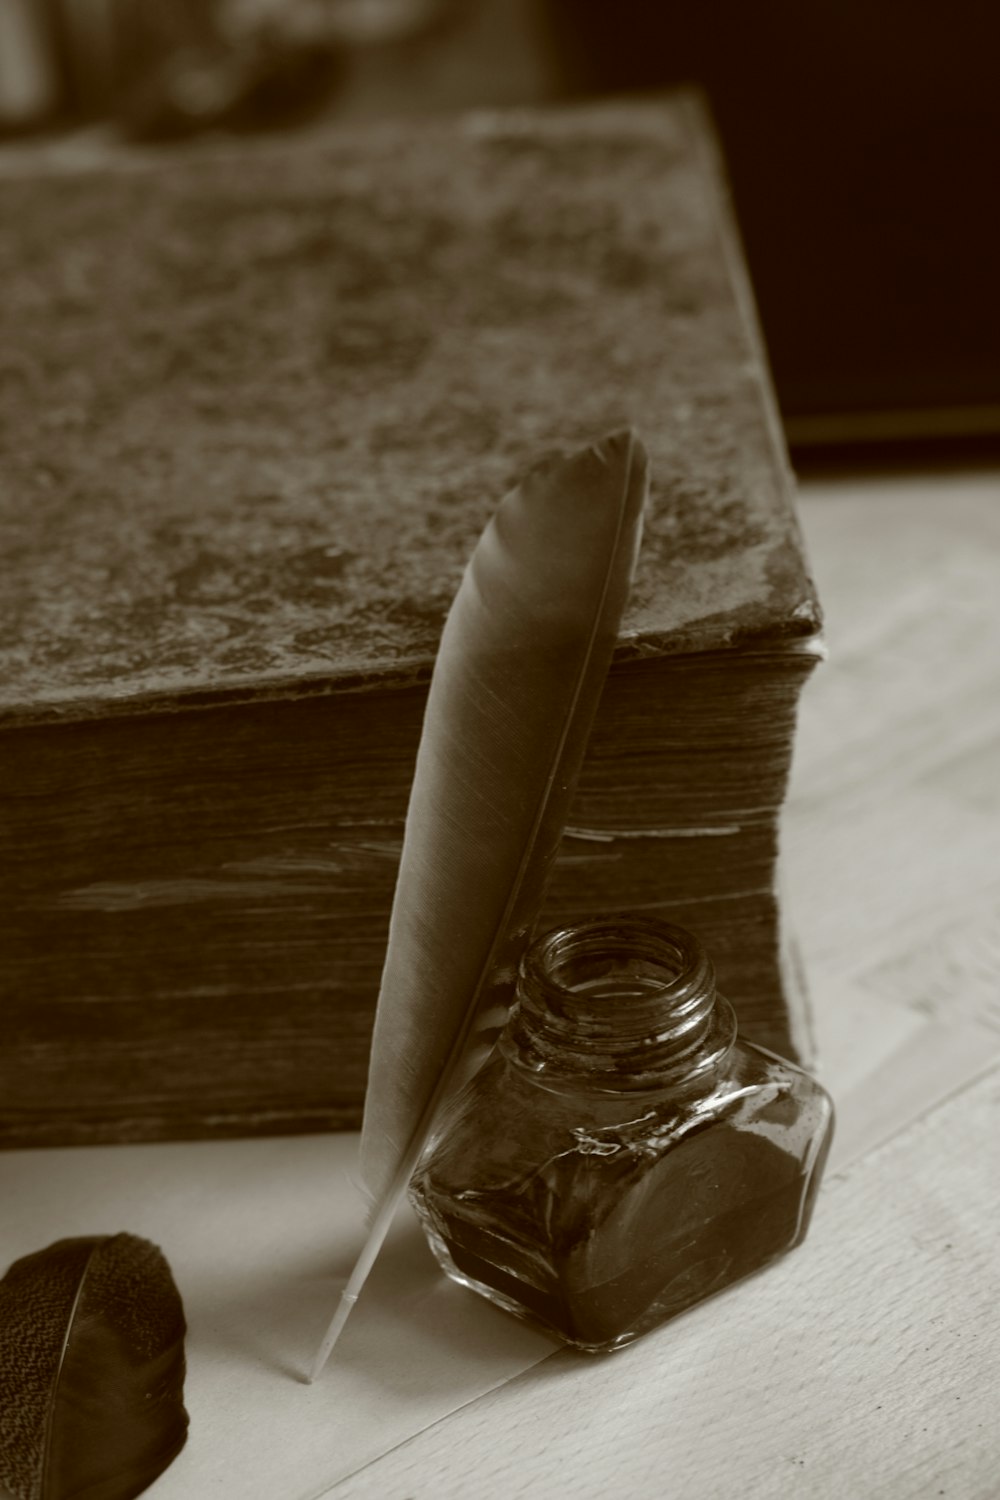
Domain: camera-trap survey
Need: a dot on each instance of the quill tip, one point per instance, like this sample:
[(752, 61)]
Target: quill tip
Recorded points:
[(340, 1317)]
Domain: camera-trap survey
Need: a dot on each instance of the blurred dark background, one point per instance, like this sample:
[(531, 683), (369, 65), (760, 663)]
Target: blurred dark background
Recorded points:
[(862, 139)]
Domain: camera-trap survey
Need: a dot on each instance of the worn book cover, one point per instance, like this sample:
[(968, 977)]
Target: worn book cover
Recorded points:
[(260, 400)]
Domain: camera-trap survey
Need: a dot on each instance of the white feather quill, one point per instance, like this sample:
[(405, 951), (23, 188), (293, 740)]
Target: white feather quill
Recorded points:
[(519, 673)]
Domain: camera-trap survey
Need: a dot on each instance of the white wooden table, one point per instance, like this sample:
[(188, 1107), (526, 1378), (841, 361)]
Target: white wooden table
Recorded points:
[(864, 1365)]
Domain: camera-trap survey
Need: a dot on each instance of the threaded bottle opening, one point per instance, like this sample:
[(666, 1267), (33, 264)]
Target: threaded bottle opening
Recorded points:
[(625, 1002)]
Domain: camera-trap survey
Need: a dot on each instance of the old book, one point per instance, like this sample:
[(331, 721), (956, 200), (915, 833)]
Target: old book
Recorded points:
[(260, 400)]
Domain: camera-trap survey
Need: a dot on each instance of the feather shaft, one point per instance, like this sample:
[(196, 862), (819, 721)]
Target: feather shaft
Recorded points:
[(519, 673)]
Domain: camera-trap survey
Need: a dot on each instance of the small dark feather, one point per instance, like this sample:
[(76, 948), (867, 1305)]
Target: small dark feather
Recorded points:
[(91, 1370)]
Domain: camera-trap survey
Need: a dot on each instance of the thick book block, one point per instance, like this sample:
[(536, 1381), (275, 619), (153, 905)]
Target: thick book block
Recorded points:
[(261, 400)]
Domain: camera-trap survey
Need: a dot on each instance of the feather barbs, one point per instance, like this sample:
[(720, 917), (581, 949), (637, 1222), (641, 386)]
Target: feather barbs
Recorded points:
[(519, 672)]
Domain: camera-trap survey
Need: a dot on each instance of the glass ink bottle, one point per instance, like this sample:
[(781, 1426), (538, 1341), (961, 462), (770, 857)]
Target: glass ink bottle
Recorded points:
[(622, 1155)]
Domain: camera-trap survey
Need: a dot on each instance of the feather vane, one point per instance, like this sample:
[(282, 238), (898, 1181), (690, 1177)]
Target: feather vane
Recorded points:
[(91, 1370), (520, 669)]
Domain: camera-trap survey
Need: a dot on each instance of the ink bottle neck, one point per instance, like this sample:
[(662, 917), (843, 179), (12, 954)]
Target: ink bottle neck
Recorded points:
[(620, 1006)]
